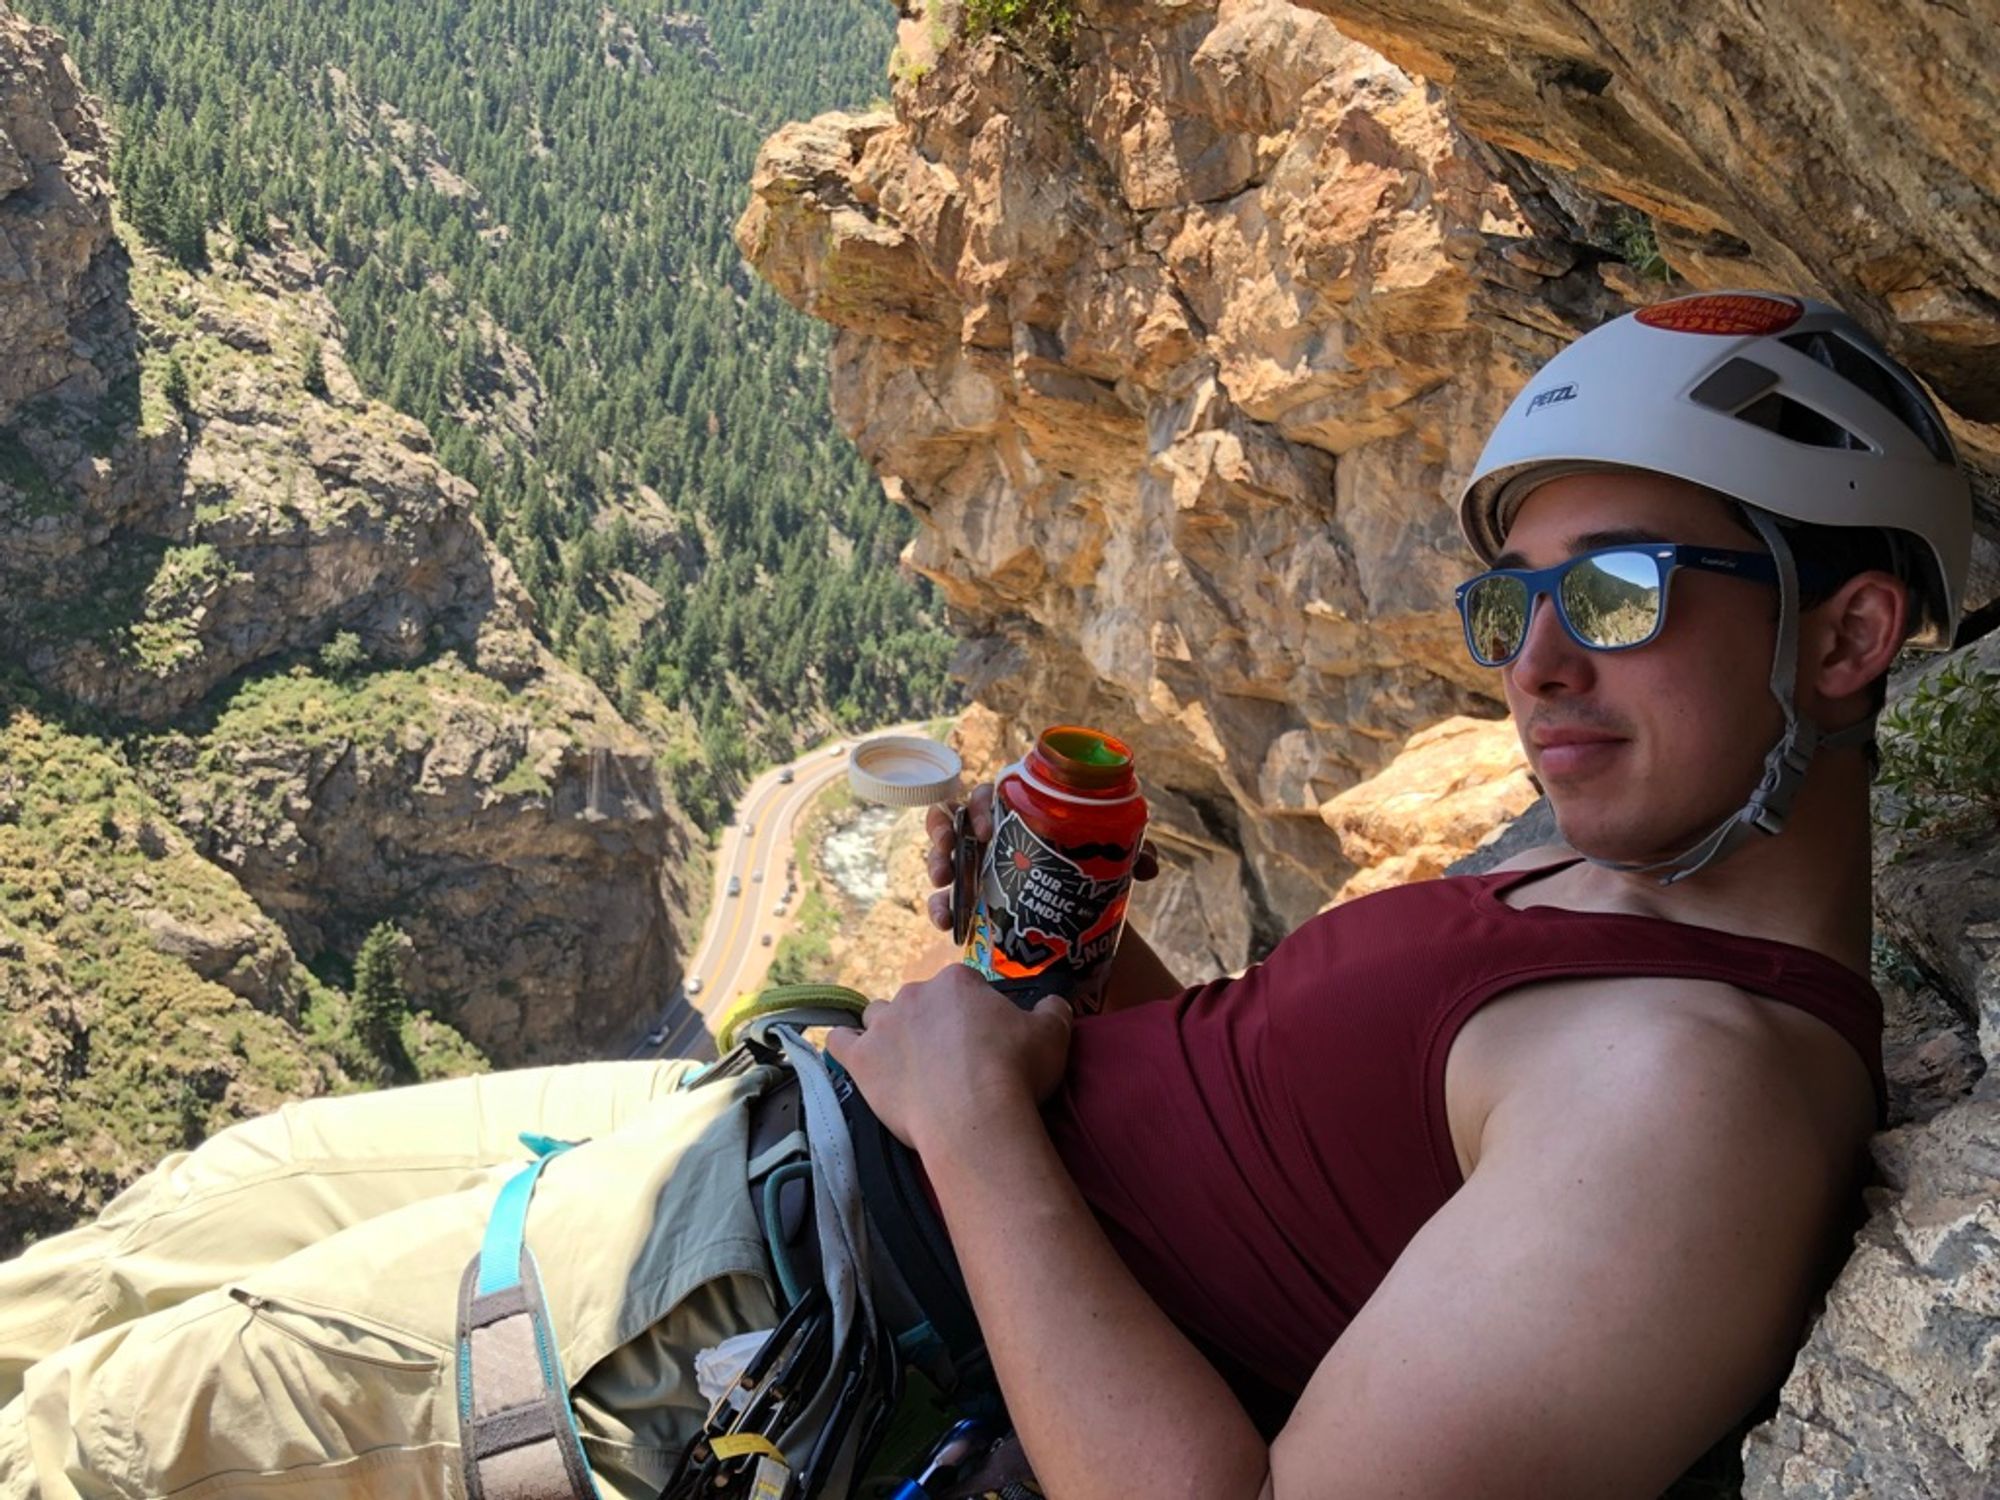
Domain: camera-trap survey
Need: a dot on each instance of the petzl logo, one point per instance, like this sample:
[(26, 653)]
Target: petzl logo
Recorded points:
[(1550, 398)]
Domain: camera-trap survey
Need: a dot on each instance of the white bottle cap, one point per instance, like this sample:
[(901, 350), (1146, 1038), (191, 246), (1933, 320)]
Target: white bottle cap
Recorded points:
[(904, 770)]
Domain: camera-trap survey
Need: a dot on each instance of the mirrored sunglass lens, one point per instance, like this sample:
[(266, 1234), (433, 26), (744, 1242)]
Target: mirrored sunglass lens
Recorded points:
[(1496, 617), (1613, 599)]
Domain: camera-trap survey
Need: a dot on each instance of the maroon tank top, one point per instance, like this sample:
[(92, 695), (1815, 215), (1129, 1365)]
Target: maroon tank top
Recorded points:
[(1261, 1149)]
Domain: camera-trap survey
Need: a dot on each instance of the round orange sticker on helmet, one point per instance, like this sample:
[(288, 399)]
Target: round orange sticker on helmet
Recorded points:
[(1737, 314)]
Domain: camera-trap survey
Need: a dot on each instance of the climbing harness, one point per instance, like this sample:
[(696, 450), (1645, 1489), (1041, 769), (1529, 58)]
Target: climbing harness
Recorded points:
[(517, 1431), (876, 1351)]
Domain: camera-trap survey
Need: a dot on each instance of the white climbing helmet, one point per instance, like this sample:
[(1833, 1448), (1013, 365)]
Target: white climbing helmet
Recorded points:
[(1784, 404), (1781, 402)]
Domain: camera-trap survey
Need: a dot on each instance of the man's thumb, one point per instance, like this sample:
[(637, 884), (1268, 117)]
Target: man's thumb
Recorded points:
[(1056, 1006)]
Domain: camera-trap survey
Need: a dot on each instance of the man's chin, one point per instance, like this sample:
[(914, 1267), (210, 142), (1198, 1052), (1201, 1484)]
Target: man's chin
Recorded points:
[(1613, 844)]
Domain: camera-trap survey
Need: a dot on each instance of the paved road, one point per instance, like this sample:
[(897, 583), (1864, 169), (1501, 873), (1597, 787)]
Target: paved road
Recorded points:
[(731, 956)]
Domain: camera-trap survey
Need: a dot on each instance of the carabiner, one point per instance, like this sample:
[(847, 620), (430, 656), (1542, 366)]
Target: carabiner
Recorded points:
[(755, 1399), (966, 1441)]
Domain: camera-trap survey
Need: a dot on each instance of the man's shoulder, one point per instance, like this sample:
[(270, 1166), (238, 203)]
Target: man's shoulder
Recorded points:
[(1655, 1049)]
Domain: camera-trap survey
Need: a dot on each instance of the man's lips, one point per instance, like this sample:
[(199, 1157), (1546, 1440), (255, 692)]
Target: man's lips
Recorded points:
[(1572, 752), (1544, 739)]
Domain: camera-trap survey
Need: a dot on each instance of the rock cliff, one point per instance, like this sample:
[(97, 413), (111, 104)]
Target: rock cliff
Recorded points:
[(1178, 332), (254, 600), (58, 294)]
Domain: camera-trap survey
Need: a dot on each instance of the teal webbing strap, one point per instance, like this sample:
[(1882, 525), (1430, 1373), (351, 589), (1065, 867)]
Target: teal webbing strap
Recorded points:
[(517, 1431), (507, 1228)]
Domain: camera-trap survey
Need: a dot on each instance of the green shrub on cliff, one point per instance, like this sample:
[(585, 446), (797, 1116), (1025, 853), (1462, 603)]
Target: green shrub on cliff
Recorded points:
[(175, 385), (1045, 26), (380, 1004), (1638, 245), (343, 656), (312, 359), (1941, 749)]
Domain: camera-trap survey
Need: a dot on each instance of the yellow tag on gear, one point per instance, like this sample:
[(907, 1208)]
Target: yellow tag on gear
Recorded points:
[(737, 1444)]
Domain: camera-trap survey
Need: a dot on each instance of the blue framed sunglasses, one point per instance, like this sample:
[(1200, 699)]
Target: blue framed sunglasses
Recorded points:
[(1612, 599)]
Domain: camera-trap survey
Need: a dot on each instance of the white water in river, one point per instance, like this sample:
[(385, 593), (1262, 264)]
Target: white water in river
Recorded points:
[(856, 857)]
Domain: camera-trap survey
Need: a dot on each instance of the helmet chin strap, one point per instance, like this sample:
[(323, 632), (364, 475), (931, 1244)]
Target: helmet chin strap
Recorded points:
[(1786, 764)]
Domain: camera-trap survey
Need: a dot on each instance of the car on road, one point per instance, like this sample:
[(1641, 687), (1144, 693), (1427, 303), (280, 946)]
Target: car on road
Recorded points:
[(785, 776), (736, 885), (757, 875), (778, 910), (767, 940), (836, 748), (693, 985)]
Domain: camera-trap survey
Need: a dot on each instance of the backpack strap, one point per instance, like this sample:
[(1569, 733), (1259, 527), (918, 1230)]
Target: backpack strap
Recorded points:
[(517, 1432)]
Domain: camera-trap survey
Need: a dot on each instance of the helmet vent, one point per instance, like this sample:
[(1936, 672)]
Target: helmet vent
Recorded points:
[(1799, 422), (1893, 392), (1734, 386)]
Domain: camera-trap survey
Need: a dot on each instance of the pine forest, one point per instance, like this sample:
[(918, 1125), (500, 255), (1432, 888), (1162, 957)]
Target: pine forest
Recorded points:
[(528, 208)]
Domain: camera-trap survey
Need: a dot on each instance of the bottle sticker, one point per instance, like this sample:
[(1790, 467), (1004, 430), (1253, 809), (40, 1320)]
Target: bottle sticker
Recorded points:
[(1042, 907)]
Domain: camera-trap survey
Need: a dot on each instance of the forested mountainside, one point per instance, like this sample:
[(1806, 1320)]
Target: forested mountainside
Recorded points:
[(294, 796), (528, 207)]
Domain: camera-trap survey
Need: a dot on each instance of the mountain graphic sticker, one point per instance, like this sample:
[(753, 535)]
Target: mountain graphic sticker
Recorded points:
[(1042, 906)]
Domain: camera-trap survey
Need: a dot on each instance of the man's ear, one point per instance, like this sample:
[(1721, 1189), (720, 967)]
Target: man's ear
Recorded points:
[(1849, 639)]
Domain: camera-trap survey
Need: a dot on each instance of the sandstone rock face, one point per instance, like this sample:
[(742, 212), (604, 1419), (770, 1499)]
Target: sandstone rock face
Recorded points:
[(1897, 1389), (1451, 785), (1176, 354), (1842, 148)]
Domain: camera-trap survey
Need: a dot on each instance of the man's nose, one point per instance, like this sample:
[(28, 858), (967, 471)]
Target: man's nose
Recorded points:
[(1550, 661)]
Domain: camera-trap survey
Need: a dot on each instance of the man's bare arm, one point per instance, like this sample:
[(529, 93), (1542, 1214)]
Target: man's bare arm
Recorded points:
[(1109, 1398), (1625, 1272)]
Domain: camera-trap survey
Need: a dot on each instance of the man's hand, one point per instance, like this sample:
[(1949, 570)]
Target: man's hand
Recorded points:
[(1137, 975), (937, 823), (950, 1051)]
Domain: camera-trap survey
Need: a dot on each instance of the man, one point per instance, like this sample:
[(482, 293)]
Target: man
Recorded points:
[(1653, 1167), (1516, 1185)]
